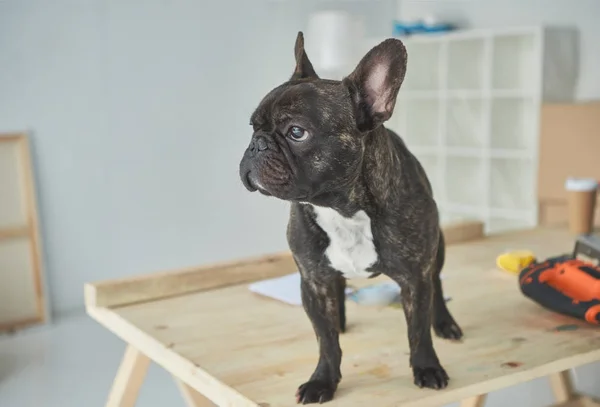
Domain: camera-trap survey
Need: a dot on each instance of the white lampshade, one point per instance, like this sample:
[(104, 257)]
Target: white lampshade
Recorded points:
[(331, 41)]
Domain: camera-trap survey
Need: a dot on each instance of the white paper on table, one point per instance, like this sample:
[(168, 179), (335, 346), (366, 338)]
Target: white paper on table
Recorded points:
[(285, 289)]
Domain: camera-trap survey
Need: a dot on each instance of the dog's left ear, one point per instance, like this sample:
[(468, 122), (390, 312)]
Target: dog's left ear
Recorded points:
[(375, 83), (304, 68)]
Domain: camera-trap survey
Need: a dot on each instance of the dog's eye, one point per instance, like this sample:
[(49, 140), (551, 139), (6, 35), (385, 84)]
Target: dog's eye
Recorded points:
[(297, 133)]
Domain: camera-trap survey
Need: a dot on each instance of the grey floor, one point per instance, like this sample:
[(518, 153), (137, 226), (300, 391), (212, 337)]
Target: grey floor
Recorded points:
[(72, 364)]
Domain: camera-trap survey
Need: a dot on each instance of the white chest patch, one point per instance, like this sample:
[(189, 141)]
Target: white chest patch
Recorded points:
[(351, 250)]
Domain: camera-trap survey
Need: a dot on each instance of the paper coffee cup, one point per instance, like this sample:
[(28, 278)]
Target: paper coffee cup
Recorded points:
[(581, 197)]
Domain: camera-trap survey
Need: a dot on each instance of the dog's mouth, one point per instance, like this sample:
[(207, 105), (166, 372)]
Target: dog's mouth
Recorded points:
[(283, 190), (248, 182), (252, 184)]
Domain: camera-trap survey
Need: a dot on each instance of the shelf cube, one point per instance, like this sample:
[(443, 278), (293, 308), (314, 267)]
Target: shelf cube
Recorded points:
[(513, 123), (464, 121), (464, 181), (422, 72), (422, 122), (511, 182), (514, 62), (466, 68)]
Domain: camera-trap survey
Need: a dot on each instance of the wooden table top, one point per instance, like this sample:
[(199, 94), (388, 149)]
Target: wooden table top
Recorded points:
[(260, 350)]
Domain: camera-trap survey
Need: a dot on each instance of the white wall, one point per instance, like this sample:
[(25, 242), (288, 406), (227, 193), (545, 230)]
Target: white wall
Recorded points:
[(582, 14), (139, 116), (139, 113)]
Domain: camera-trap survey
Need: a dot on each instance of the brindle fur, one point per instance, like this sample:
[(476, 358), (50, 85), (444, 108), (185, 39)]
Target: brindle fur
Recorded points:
[(352, 163)]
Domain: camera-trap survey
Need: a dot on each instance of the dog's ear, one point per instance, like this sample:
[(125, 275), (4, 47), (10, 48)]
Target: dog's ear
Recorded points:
[(304, 68), (375, 83)]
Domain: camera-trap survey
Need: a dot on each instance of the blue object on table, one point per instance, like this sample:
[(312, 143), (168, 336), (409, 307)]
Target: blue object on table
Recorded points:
[(376, 294), (419, 27)]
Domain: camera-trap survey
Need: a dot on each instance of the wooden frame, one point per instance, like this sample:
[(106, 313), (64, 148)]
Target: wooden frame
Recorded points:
[(28, 230), (139, 310)]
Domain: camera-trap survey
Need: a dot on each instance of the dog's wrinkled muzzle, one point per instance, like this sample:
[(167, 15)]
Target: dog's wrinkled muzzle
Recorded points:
[(259, 144), (246, 166)]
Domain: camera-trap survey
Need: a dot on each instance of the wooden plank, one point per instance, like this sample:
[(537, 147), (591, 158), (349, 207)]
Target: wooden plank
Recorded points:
[(18, 298), (238, 348), (10, 137), (23, 204), (11, 233), (562, 386), (129, 379), (28, 181), (191, 397), (462, 232), (12, 326), (161, 285), (155, 286), (162, 355), (476, 401)]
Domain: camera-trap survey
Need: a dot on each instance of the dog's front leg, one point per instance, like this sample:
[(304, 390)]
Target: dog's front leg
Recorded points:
[(320, 300), (417, 294)]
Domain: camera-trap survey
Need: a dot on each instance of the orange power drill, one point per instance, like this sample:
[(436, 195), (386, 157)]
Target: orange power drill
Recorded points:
[(568, 284)]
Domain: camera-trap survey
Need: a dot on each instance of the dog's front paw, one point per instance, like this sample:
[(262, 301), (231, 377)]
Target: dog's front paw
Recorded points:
[(431, 377), (315, 391), (448, 329)]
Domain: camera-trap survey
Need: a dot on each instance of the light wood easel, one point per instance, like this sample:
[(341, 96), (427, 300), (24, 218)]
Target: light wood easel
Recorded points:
[(22, 301)]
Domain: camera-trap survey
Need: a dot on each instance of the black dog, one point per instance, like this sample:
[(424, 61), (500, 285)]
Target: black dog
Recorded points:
[(361, 204)]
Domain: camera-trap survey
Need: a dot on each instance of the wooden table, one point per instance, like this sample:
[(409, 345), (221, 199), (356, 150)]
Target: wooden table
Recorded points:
[(239, 349)]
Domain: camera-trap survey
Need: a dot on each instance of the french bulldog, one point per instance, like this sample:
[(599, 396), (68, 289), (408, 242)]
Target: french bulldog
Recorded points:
[(361, 204)]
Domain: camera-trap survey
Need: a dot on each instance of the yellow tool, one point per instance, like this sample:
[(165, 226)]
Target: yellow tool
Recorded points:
[(515, 261)]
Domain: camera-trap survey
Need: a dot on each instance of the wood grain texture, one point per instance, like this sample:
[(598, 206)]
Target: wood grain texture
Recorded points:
[(191, 397), (155, 286), (238, 348), (129, 379), (562, 386), (28, 181), (19, 220), (168, 284), (476, 401), (462, 232), (14, 232)]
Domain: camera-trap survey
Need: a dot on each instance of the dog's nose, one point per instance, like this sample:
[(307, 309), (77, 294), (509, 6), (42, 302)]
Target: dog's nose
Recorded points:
[(261, 144), (258, 143)]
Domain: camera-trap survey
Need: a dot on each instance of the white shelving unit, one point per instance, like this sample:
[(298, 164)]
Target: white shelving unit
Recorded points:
[(469, 109)]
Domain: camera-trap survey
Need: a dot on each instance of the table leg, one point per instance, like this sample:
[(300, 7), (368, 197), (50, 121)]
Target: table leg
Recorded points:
[(129, 379), (475, 401), (192, 397), (562, 386)]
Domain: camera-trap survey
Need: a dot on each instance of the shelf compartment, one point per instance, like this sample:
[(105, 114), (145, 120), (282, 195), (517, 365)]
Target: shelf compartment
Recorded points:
[(423, 69), (397, 122), (432, 166), (449, 216), (512, 61), (422, 122), (466, 64), (464, 120), (498, 224), (465, 181), (512, 124), (466, 211), (511, 183)]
